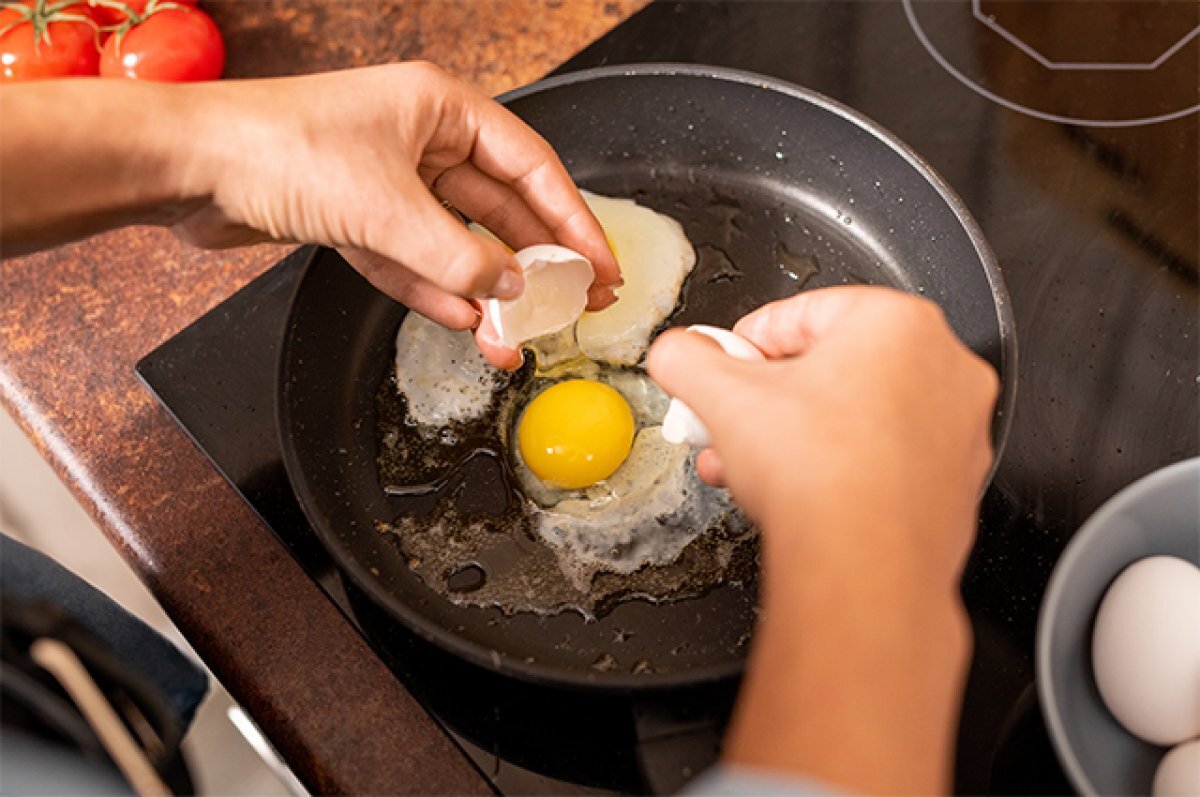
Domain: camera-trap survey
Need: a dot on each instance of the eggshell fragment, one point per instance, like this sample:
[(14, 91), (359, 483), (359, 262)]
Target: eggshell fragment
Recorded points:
[(1146, 649), (681, 425), (556, 285)]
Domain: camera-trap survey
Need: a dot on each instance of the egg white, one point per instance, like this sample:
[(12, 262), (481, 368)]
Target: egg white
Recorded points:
[(655, 258), (646, 513), (441, 373)]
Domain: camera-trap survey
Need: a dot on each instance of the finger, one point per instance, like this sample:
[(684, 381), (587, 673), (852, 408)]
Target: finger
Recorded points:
[(493, 204), (418, 233), (790, 327), (511, 152), (600, 298), (412, 290), (710, 468), (505, 214), (495, 353), (694, 368)]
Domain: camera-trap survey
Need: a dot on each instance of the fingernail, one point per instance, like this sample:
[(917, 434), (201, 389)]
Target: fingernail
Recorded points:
[(509, 286)]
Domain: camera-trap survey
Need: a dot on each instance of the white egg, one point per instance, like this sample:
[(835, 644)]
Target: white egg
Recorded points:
[(681, 425), (1178, 774), (441, 373), (655, 257), (1146, 649)]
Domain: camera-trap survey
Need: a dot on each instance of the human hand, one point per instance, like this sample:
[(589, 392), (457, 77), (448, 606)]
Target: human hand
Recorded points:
[(860, 448), (867, 393), (362, 159)]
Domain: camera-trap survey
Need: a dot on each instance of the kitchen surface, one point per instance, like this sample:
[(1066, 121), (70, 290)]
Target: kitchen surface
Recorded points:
[(1070, 136)]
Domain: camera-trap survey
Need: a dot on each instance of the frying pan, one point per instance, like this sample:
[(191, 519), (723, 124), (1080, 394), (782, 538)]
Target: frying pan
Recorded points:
[(779, 188)]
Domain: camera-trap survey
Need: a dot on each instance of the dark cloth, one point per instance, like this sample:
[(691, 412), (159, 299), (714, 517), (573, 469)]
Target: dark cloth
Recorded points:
[(28, 576)]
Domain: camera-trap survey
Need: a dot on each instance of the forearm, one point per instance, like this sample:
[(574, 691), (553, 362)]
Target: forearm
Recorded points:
[(857, 667), (81, 156)]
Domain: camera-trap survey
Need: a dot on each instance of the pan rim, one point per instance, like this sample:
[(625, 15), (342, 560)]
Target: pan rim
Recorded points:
[(612, 682)]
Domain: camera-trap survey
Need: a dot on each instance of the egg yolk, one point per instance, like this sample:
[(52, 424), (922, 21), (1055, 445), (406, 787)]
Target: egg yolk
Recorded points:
[(575, 433)]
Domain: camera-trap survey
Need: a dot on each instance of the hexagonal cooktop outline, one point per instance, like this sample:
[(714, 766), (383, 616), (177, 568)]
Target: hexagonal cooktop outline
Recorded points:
[(1108, 66), (915, 24)]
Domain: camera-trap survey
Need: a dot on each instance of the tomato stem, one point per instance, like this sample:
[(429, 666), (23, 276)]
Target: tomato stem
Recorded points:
[(42, 13), (132, 18)]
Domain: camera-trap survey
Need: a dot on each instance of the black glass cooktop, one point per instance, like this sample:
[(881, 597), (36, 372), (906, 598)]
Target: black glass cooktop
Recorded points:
[(1070, 130)]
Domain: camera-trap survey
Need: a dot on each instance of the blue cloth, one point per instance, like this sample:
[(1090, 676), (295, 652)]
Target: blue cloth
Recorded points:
[(727, 781), (27, 575)]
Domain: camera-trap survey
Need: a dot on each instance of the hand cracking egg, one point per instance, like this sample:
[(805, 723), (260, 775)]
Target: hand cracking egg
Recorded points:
[(577, 433)]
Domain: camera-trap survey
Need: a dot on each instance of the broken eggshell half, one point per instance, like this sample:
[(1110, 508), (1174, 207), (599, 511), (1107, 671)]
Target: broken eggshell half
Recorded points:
[(556, 285)]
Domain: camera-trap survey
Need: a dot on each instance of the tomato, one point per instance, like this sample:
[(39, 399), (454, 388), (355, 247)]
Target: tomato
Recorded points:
[(109, 15), (168, 44), (41, 39)]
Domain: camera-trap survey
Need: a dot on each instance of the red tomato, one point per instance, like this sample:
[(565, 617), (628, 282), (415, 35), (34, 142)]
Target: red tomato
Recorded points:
[(169, 44), (109, 16), (66, 47)]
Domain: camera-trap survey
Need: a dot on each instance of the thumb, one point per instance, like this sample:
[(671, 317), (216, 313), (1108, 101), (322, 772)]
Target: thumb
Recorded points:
[(696, 370)]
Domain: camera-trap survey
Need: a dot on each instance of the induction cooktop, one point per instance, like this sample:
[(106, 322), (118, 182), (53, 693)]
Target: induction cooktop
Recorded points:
[(1070, 131)]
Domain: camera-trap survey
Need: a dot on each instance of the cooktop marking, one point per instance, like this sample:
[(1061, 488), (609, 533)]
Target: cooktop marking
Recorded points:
[(977, 13), (1032, 52)]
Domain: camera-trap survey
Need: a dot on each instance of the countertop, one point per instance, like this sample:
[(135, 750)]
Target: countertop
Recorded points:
[(73, 322)]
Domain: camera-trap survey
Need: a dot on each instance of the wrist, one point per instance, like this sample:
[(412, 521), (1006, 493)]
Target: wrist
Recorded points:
[(192, 142), (855, 684)]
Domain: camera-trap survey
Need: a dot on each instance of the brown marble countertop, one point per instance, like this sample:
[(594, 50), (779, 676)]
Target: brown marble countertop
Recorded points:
[(73, 322)]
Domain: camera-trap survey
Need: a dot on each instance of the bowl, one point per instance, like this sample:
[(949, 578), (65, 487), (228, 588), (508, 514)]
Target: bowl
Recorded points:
[(1157, 515)]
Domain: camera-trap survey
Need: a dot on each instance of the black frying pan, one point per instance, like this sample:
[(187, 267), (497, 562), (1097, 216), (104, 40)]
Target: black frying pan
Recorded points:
[(760, 172)]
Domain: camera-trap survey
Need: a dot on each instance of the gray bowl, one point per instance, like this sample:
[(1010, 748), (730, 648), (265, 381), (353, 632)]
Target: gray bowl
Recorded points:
[(1159, 514)]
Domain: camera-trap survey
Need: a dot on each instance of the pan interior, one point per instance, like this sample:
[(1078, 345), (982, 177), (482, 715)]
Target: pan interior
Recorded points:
[(776, 193)]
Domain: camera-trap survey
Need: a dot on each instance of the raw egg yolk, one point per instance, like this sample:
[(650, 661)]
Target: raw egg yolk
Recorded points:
[(575, 433)]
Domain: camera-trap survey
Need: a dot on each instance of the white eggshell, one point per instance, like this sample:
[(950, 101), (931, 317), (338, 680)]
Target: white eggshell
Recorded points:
[(681, 425), (1146, 649), (1178, 774), (556, 285)]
